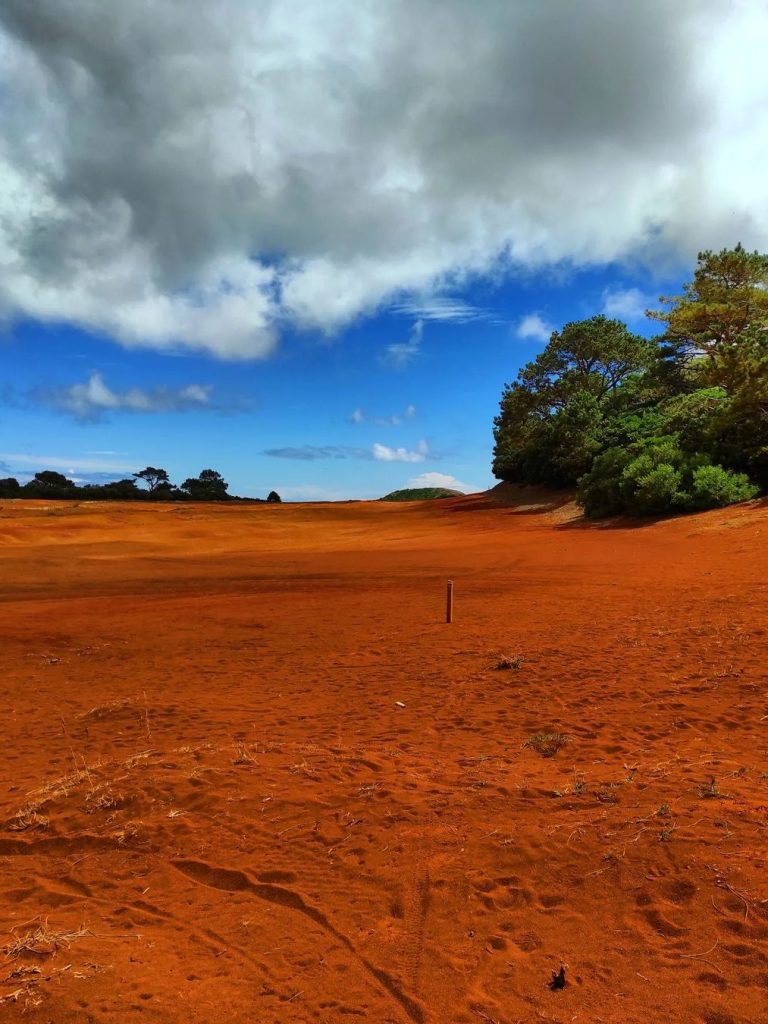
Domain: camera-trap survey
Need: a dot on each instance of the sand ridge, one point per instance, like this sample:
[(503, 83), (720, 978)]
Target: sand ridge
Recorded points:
[(214, 807)]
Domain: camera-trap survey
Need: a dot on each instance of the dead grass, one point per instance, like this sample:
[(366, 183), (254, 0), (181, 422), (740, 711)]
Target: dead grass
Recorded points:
[(41, 940), (112, 707), (509, 664), (243, 754), (576, 788), (59, 787), (28, 818), (103, 800), (547, 744)]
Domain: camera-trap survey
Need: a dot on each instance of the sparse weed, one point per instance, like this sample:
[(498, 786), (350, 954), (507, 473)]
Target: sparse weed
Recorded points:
[(103, 800), (547, 744), (576, 788), (128, 834), (41, 940), (509, 664), (243, 754), (711, 791), (28, 818), (112, 707), (607, 794)]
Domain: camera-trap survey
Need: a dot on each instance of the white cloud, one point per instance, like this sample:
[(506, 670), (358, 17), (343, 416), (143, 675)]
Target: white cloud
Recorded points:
[(383, 453), (68, 464), (627, 304), (93, 399), (177, 175), (441, 307), (395, 420), (532, 327), (401, 353), (440, 480)]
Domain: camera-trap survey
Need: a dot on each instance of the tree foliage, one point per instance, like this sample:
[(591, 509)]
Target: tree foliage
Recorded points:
[(549, 428), (651, 426), (153, 478), (208, 486)]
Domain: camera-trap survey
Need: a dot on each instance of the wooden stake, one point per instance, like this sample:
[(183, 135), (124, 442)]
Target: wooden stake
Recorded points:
[(449, 602)]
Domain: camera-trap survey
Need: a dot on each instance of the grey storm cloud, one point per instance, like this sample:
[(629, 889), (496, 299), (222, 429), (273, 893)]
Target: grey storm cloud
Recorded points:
[(182, 173)]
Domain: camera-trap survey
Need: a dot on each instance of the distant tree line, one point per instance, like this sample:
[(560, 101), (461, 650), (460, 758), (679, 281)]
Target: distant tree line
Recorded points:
[(677, 422), (208, 486)]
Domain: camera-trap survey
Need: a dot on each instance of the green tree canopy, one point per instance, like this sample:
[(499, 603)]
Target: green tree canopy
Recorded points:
[(719, 315), (153, 477), (208, 486), (550, 420), (676, 422)]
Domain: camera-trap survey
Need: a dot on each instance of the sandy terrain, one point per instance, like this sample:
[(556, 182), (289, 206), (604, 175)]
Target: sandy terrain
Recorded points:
[(248, 774)]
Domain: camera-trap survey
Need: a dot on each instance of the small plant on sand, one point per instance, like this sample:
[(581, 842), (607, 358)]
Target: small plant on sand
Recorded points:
[(243, 754), (547, 744), (608, 793), (576, 788), (663, 811), (509, 664), (711, 791)]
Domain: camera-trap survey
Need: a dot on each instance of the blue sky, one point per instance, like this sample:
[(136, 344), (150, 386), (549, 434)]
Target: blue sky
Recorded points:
[(306, 242), (390, 401)]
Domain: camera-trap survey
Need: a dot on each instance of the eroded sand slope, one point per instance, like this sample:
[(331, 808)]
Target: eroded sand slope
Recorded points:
[(213, 808)]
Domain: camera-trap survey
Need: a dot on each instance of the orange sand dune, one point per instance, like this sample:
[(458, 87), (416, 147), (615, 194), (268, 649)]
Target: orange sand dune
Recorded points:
[(248, 774)]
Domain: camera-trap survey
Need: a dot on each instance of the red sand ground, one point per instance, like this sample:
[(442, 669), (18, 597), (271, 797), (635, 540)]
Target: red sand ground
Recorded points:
[(214, 809)]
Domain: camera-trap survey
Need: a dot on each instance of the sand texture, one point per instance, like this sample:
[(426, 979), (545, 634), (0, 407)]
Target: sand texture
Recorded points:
[(248, 773)]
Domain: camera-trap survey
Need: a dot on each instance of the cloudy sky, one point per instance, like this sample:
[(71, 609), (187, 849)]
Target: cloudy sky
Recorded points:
[(306, 242)]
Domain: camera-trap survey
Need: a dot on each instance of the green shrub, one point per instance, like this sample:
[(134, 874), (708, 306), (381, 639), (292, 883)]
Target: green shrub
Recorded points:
[(715, 487), (655, 476), (658, 490), (421, 494)]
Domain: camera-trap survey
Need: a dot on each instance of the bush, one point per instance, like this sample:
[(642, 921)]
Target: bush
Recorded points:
[(657, 490), (715, 487), (274, 497), (421, 494), (655, 476)]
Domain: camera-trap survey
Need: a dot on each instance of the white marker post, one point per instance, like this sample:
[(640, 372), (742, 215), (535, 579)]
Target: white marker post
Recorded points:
[(449, 602)]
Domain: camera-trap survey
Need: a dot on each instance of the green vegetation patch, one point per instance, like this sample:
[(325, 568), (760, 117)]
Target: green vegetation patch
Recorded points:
[(649, 426), (421, 494)]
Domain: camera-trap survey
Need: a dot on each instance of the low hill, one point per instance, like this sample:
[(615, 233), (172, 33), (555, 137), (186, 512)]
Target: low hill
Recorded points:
[(421, 494)]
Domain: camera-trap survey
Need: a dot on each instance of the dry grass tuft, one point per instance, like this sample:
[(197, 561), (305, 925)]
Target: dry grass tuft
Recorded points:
[(41, 940), (59, 787), (112, 707), (243, 754), (103, 800), (576, 788), (509, 664), (28, 818), (547, 744)]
